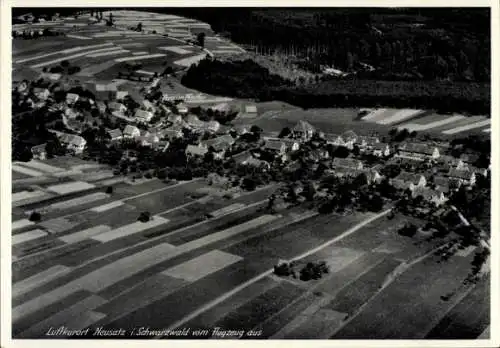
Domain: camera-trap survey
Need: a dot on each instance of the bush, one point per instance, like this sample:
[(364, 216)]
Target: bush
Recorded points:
[(109, 190), (144, 217), (35, 216)]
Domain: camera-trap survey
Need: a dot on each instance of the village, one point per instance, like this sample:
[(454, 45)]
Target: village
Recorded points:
[(153, 122)]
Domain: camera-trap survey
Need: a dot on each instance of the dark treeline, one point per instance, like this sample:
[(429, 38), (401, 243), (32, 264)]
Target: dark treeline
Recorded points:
[(437, 43), (246, 79)]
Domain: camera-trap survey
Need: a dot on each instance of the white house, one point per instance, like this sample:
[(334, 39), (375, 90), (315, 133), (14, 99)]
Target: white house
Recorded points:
[(381, 150), (417, 151), (115, 106), (143, 115), (131, 132), (71, 98), (72, 142)]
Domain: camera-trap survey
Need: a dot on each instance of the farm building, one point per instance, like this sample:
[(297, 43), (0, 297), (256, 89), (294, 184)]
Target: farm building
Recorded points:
[(241, 129), (131, 132), (381, 150), (174, 118), (291, 144), (418, 151), (318, 155), (115, 134), (334, 139), (148, 140), (41, 93), (39, 151), (275, 145), (71, 98), (120, 95), (433, 196), (444, 184), (465, 177), (406, 180), (347, 163), (255, 162), (172, 133), (479, 171), (72, 142), (303, 130), (147, 105), (452, 162), (223, 142), (143, 115), (161, 145), (182, 109), (350, 136), (117, 107), (248, 111), (196, 150), (101, 106), (71, 113)]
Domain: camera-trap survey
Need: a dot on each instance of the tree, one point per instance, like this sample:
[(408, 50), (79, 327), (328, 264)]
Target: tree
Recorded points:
[(35, 216), (284, 132), (65, 63), (139, 26), (201, 39), (109, 190)]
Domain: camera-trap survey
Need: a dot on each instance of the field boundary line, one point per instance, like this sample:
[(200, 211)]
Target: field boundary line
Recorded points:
[(240, 287)]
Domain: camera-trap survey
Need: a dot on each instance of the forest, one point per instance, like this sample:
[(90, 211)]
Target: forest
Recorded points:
[(246, 79)]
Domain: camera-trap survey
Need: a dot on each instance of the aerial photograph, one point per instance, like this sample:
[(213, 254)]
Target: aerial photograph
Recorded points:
[(251, 173)]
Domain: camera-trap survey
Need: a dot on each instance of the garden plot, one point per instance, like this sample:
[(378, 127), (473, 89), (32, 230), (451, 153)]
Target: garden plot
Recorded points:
[(458, 123), (425, 126), (34, 164), (75, 202), (27, 236), (175, 49), (399, 116), (149, 56), (30, 283), (23, 195), (187, 62), (141, 53), (110, 53), (68, 51), (488, 130), (202, 266), (467, 127), (96, 68), (106, 207), (130, 229), (67, 173), (70, 187), (26, 171), (95, 176), (232, 51), (132, 44), (58, 225), (21, 224), (84, 234), (377, 114), (78, 37), (144, 72)]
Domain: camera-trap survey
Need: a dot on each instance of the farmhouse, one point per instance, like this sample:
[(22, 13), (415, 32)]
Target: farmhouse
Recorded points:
[(131, 132), (101, 106), (39, 151), (334, 139), (71, 113), (255, 162), (148, 140), (350, 137), (463, 176), (41, 93), (120, 95), (407, 180), (417, 151), (196, 150), (143, 115), (431, 196), (71, 98), (381, 150), (105, 91), (72, 142), (366, 143), (347, 163), (172, 118), (303, 130), (115, 134)]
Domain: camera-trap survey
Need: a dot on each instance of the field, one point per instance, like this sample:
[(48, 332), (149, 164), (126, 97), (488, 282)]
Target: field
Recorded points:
[(123, 271), (422, 121)]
